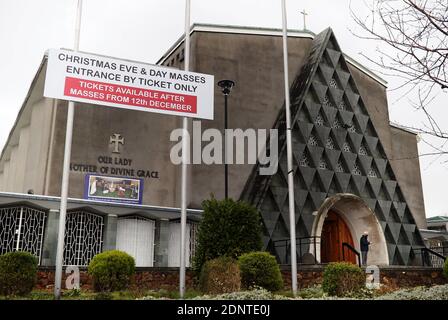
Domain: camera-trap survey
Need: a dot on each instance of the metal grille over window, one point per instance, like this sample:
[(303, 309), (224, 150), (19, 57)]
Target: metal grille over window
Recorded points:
[(336, 124), (330, 144), (351, 129), (356, 171), (194, 229), (346, 147), (333, 83), (323, 164), (304, 161), (372, 173), (83, 237), (319, 120), (327, 102), (22, 229), (339, 167), (341, 105), (363, 150), (312, 141)]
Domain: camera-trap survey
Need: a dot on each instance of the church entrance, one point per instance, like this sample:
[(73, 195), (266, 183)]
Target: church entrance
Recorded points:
[(344, 218), (335, 232)]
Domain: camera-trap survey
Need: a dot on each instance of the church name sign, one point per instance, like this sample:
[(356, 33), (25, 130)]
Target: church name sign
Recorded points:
[(115, 166), (126, 84)]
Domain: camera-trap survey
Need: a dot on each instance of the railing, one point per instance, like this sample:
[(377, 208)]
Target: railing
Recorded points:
[(351, 248), (431, 258), (300, 242), (443, 250)]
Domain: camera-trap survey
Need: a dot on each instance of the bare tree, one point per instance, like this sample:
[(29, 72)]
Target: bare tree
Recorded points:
[(416, 36)]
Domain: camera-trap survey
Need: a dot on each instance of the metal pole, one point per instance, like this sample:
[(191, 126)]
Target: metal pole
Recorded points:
[(292, 219), (19, 231), (226, 168), (185, 156), (65, 173)]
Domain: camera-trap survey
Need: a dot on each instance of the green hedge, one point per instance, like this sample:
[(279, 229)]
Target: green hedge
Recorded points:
[(228, 228), (18, 273), (260, 269), (111, 270), (343, 278), (220, 275)]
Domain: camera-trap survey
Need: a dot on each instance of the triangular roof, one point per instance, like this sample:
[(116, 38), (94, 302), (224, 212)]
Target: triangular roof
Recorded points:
[(336, 149)]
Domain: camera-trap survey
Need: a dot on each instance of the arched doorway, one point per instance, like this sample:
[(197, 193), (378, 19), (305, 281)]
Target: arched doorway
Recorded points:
[(358, 218), (335, 232)]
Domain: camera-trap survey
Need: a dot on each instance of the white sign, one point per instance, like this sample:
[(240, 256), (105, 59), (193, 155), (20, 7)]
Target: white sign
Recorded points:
[(126, 84)]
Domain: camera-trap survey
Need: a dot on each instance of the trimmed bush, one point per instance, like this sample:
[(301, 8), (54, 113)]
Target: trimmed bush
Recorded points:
[(228, 228), (111, 270), (343, 278), (18, 273), (260, 269), (445, 269), (220, 275)]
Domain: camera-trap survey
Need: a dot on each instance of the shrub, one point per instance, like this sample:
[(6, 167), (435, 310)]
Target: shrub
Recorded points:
[(445, 268), (111, 270), (103, 296), (260, 269), (220, 275), (439, 292), (228, 228), (343, 278), (18, 273)]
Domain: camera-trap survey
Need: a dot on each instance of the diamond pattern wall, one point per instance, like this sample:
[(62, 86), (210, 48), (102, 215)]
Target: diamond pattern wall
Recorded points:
[(335, 150)]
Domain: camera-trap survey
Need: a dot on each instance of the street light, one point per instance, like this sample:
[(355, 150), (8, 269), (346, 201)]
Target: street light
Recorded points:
[(226, 86)]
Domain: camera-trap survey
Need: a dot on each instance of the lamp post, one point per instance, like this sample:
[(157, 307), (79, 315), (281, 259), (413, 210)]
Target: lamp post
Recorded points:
[(226, 86)]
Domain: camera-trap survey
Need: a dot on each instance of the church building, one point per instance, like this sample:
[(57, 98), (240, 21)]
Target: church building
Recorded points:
[(354, 171)]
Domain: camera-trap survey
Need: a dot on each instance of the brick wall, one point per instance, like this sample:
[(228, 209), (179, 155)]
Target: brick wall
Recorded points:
[(144, 279), (391, 277), (168, 278)]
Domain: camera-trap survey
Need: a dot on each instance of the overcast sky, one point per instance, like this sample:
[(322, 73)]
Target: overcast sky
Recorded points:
[(143, 30)]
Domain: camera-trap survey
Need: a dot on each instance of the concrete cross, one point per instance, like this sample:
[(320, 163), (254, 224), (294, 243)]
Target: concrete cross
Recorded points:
[(117, 139), (304, 18)]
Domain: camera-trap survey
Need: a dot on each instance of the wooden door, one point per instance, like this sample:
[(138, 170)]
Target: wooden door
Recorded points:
[(334, 232)]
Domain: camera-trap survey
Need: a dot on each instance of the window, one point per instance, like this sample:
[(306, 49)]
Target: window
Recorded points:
[(22, 229), (135, 235), (174, 244), (83, 237)]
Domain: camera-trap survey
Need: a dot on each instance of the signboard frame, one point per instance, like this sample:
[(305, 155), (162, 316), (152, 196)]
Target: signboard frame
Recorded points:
[(125, 84), (88, 188)]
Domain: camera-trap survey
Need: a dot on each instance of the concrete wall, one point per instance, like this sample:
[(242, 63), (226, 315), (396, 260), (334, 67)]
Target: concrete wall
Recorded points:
[(255, 63), (406, 166), (146, 143), (26, 153)]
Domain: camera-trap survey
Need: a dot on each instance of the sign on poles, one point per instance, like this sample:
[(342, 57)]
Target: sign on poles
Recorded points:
[(127, 84)]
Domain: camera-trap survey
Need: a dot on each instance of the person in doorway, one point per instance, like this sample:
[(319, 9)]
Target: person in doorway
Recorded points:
[(364, 245)]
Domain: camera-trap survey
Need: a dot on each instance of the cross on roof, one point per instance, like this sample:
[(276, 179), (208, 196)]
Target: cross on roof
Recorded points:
[(304, 18)]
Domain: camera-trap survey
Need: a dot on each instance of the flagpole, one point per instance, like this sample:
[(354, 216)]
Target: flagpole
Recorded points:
[(66, 172), (185, 156), (292, 219)]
